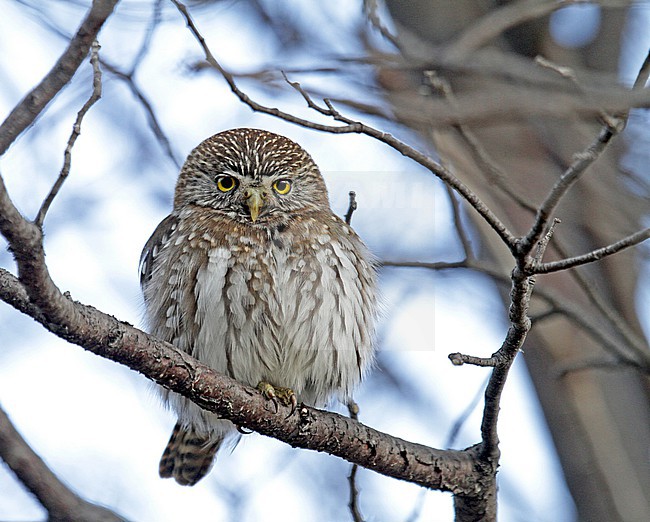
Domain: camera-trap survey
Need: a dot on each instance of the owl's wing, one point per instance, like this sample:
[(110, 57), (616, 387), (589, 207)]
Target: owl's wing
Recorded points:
[(151, 249)]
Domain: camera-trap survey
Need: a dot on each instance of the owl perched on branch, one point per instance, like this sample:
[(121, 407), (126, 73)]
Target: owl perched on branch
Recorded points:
[(254, 275)]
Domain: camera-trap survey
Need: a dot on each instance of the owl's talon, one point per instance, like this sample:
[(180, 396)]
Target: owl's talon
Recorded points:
[(294, 404), (276, 394)]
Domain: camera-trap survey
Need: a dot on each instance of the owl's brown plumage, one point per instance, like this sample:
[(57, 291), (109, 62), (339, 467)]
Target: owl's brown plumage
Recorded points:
[(255, 276)]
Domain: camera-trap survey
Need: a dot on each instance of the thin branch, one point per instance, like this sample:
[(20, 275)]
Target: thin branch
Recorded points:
[(59, 501), (582, 161), (644, 74), (617, 323), (438, 265), (484, 161), (596, 364), (519, 327), (370, 8), (499, 20), (534, 95), (543, 243), (352, 206), (76, 131), (353, 504), (594, 255), (463, 236), (520, 324), (146, 42), (24, 114), (565, 72), (352, 126), (462, 418), (458, 359), (152, 119), (558, 303)]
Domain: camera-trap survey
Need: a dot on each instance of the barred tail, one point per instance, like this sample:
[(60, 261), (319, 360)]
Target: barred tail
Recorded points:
[(188, 456)]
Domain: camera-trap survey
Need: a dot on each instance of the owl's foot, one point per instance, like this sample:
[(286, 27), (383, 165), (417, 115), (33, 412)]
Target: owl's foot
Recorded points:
[(285, 396)]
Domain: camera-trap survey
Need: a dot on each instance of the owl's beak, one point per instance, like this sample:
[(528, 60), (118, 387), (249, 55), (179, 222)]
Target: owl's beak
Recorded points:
[(255, 200)]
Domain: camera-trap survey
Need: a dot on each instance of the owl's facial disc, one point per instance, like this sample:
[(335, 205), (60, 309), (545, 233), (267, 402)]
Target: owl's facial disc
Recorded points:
[(255, 198)]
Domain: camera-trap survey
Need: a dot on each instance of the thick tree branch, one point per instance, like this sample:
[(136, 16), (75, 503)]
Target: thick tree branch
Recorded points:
[(33, 104), (308, 428), (60, 502)]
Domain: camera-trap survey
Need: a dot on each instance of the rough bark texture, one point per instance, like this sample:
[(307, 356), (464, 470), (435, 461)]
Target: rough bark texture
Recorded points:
[(307, 428)]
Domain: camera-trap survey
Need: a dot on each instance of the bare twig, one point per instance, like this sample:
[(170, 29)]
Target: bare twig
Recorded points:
[(352, 206), (352, 126), (497, 21), (485, 162), (558, 304), (594, 255), (565, 72), (370, 8), (76, 131), (438, 265), (613, 318), (643, 75), (458, 359), (463, 236), (24, 114), (597, 364), (462, 418), (146, 42), (154, 125), (353, 504), (520, 323), (582, 161), (504, 357), (543, 243), (60, 502)]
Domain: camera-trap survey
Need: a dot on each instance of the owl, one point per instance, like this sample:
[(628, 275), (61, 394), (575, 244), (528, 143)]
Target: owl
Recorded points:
[(255, 276)]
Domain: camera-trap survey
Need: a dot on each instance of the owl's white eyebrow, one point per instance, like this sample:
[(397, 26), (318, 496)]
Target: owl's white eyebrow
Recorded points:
[(229, 172)]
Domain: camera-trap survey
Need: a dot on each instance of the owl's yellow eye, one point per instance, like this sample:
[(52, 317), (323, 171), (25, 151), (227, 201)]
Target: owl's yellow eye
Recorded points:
[(226, 183), (282, 186)]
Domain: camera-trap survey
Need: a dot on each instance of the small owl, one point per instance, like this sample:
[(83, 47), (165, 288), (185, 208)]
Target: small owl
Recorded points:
[(253, 275)]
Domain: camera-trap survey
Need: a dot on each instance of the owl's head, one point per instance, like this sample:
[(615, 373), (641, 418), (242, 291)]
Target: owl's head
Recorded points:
[(252, 176)]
